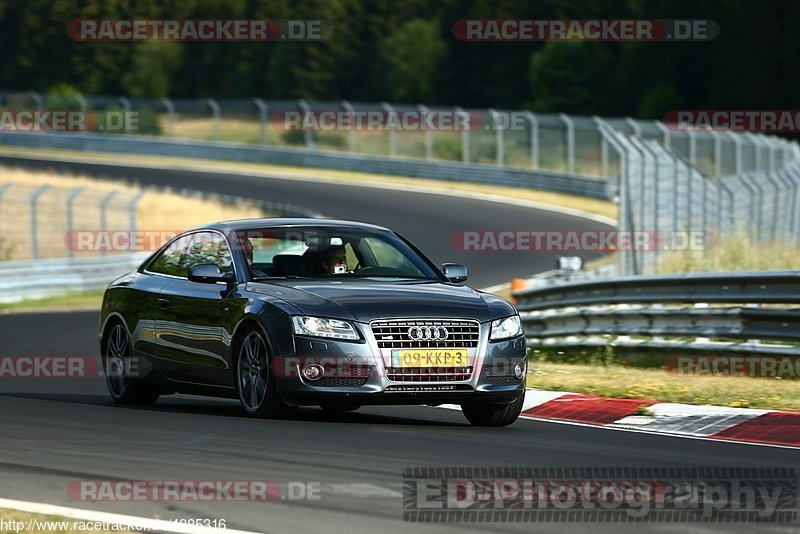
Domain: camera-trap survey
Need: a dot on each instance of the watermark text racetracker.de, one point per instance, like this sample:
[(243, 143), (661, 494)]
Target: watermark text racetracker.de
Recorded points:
[(529, 30), (733, 120), (35, 120), (571, 494), (208, 30), (753, 365), (576, 241), (48, 367), (192, 490)]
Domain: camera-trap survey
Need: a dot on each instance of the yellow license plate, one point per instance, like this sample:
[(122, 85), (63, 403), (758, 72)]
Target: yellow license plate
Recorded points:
[(431, 358)]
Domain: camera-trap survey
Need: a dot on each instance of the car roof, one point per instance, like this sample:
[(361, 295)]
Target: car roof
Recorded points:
[(246, 224)]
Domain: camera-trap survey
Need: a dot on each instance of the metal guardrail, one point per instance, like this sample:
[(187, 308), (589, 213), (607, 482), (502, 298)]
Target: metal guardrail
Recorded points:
[(220, 150), (652, 312), (36, 279)]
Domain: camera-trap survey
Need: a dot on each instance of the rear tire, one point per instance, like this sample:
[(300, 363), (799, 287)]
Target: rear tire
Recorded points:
[(116, 358), (255, 381), (493, 414)]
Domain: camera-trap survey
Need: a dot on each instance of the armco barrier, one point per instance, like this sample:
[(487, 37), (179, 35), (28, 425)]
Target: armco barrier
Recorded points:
[(219, 150), (697, 311), (36, 279)]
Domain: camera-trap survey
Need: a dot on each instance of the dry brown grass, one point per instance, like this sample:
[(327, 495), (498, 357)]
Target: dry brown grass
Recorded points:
[(735, 253)]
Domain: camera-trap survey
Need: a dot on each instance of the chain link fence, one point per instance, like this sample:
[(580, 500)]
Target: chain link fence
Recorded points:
[(507, 138), (665, 180), (665, 193), (36, 220)]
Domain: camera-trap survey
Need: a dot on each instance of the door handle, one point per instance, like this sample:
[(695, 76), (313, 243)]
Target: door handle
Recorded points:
[(163, 303)]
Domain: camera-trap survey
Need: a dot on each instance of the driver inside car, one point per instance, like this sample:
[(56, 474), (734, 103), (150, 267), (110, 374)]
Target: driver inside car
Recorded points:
[(247, 248), (332, 260)]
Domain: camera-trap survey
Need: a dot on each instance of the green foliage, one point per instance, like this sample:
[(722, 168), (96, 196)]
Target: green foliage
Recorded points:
[(413, 55), (658, 101), (154, 64), (386, 50), (572, 77)]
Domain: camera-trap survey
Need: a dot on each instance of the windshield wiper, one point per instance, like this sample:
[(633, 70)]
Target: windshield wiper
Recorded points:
[(282, 277)]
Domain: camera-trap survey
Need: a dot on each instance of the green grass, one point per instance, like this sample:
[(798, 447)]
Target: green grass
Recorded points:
[(76, 300), (620, 381)]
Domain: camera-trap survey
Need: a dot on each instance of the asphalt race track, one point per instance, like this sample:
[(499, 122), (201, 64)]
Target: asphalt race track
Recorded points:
[(55, 431), (61, 430)]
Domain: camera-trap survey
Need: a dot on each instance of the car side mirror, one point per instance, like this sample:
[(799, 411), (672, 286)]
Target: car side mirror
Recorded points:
[(208, 273), (455, 272)]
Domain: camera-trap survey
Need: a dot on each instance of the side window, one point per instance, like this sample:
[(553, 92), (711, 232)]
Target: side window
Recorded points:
[(170, 261), (208, 247)]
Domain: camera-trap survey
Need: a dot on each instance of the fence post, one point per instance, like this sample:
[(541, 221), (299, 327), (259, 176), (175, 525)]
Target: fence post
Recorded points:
[(665, 133), (132, 222), (34, 233), (351, 134), (794, 177), (464, 134), (170, 116), (717, 152), (534, 122), (103, 222), (70, 219), (637, 130), (692, 147), (3, 189), (570, 142), (262, 119), (499, 140), (37, 98), (391, 132), (428, 134), (307, 133), (626, 260), (215, 114)]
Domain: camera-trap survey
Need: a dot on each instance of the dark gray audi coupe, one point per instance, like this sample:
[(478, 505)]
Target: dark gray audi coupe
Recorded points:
[(282, 313)]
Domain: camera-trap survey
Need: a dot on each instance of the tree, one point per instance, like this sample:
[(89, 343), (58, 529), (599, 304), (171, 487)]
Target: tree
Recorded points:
[(152, 68), (412, 54), (572, 77)]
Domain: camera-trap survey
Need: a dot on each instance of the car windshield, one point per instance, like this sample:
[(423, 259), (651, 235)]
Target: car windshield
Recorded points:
[(328, 252)]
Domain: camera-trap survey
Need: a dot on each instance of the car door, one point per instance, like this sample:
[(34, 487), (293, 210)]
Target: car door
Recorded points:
[(193, 338)]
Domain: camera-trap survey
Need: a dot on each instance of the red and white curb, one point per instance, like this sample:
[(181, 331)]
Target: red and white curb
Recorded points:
[(709, 422)]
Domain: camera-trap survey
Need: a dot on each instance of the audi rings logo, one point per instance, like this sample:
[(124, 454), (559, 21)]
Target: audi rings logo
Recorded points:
[(428, 333)]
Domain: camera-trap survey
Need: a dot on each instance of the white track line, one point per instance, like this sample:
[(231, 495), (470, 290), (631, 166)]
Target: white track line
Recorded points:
[(143, 523)]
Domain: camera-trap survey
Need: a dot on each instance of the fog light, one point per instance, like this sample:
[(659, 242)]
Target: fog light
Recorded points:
[(313, 371), (519, 370)]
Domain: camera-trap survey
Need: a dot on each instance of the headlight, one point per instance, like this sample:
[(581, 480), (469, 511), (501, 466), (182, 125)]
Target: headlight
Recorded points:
[(315, 326), (506, 328)]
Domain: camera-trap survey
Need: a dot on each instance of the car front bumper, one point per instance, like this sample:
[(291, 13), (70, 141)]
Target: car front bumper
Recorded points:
[(357, 373)]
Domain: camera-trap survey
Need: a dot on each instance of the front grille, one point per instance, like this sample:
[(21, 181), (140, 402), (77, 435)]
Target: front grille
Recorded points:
[(344, 376), (393, 334), (339, 382), (428, 374), (503, 380)]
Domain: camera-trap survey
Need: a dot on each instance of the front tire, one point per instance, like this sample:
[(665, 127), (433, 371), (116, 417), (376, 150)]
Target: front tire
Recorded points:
[(123, 388), (255, 381), (494, 415)]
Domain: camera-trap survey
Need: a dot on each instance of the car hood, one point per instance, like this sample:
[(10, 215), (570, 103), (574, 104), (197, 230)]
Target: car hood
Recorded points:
[(365, 300)]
